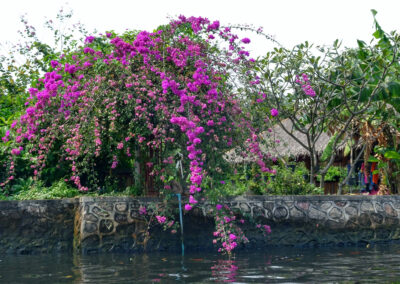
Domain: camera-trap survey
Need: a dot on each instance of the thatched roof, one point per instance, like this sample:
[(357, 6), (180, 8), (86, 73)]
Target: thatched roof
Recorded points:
[(287, 146)]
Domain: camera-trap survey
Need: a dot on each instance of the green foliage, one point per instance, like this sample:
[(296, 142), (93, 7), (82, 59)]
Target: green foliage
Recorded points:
[(392, 160), (335, 174), (28, 190), (291, 182), (328, 149), (29, 58), (247, 179), (351, 85), (362, 81), (390, 154), (26, 60)]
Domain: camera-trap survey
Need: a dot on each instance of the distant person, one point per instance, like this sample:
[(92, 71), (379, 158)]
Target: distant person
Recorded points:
[(365, 168), (375, 177)]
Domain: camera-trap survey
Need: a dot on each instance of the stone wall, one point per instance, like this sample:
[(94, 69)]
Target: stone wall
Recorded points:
[(114, 224), (294, 220), (39, 226)]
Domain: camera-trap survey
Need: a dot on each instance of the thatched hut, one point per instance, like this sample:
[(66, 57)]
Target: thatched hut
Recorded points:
[(287, 146), (288, 149)]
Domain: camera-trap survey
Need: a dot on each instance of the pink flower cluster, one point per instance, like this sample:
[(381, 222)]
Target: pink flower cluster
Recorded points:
[(265, 229), (147, 97), (161, 219), (192, 131), (304, 81), (274, 112), (227, 232), (142, 211)]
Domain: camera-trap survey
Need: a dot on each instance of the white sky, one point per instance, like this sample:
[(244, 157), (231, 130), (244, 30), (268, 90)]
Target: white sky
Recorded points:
[(289, 21)]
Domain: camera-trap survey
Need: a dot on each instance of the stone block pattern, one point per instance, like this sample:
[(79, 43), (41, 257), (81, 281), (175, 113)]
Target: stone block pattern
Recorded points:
[(109, 224), (114, 224), (323, 220), (40, 226)]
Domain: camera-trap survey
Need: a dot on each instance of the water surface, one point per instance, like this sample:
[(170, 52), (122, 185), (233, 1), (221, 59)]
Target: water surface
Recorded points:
[(375, 264)]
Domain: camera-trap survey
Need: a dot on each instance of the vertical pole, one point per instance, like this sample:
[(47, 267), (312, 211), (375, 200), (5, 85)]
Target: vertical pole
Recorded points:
[(181, 221)]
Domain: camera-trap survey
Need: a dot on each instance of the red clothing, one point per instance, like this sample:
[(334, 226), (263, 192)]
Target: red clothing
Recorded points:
[(375, 177)]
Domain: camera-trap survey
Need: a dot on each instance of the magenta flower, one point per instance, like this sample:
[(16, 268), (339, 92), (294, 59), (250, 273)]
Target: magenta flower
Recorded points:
[(161, 219), (88, 50), (274, 112), (213, 26), (192, 200), (196, 103), (142, 210), (114, 164), (71, 69), (232, 237), (16, 151), (89, 39), (267, 229), (304, 81)]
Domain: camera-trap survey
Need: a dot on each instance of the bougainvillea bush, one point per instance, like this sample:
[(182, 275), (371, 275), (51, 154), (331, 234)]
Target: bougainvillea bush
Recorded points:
[(156, 109)]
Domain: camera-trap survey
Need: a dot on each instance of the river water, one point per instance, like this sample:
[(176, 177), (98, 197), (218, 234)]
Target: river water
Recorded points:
[(375, 264)]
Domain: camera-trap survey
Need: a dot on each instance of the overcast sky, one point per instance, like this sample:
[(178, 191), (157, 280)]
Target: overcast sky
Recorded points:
[(289, 21)]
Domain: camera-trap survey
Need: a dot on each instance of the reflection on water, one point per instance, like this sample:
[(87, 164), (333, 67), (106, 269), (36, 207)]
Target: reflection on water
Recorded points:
[(373, 265)]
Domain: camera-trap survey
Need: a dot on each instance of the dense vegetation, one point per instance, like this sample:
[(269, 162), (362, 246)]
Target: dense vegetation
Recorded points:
[(157, 112)]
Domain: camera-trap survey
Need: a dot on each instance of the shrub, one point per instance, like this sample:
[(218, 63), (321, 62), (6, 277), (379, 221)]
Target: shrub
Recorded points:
[(291, 182), (162, 106)]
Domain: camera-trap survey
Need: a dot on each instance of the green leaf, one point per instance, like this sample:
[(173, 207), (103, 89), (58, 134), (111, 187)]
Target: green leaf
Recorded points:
[(395, 102), (328, 149), (360, 43), (346, 150), (392, 155), (336, 43), (378, 34), (394, 89), (372, 159), (374, 12)]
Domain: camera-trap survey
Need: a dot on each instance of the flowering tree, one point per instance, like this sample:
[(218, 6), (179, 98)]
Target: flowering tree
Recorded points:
[(29, 58), (163, 105), (21, 67), (325, 89)]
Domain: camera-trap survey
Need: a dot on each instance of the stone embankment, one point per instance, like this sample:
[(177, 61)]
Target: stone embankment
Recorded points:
[(105, 224)]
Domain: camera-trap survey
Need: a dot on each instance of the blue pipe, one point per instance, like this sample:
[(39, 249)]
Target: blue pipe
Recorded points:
[(181, 221)]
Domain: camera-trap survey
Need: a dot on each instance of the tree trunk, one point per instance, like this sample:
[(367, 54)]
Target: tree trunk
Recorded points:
[(322, 181), (311, 172)]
